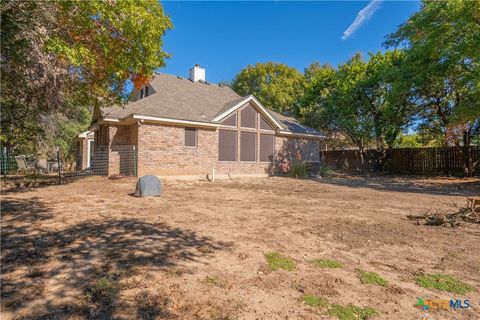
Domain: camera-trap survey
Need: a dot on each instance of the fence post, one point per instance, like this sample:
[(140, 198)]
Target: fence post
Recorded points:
[(4, 164), (59, 166)]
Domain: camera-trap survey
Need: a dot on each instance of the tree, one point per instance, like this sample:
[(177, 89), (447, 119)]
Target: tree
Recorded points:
[(277, 86), (442, 45), (367, 101), (58, 59)]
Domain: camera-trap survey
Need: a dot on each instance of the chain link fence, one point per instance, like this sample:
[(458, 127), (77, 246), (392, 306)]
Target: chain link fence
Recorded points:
[(114, 161)]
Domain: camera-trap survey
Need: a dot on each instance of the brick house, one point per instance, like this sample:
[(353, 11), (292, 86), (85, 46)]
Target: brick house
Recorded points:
[(188, 126)]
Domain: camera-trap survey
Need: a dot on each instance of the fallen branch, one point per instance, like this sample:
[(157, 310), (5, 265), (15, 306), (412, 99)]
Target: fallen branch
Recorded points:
[(439, 218)]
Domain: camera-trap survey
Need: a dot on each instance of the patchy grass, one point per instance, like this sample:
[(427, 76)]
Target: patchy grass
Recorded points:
[(276, 261), (104, 289), (314, 301), (215, 281), (327, 263), (348, 312), (444, 282), (351, 312), (367, 277)]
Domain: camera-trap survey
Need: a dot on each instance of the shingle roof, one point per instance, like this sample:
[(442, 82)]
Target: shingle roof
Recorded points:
[(292, 124), (182, 99), (178, 98)]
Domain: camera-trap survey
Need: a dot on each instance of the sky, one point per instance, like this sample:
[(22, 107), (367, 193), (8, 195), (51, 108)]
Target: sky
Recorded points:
[(224, 37)]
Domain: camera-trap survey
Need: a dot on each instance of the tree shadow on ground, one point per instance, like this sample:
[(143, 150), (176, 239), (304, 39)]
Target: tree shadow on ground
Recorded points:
[(45, 269), (404, 183)]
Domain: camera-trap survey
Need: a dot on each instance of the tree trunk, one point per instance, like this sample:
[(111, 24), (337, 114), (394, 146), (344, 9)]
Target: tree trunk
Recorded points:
[(467, 152)]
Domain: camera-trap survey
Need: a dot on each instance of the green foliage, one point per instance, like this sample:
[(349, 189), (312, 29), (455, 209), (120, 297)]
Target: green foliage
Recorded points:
[(364, 100), (444, 282), (408, 141), (351, 312), (348, 312), (314, 301), (277, 86), (371, 278), (104, 289), (327, 263), (442, 44), (325, 171), (62, 58), (298, 169), (276, 261)]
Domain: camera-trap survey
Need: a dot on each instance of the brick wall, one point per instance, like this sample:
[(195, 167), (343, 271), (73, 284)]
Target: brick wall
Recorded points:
[(160, 150)]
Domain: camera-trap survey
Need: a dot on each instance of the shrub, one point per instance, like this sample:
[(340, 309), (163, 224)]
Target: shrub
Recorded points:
[(276, 261), (444, 282), (325, 171), (371, 278), (298, 168)]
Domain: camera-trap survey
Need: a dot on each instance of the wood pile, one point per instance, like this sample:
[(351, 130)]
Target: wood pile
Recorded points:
[(471, 214)]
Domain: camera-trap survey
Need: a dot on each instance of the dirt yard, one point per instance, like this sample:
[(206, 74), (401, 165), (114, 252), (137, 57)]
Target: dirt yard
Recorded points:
[(89, 249)]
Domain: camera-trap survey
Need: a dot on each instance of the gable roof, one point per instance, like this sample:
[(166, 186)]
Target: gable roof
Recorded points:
[(178, 98)]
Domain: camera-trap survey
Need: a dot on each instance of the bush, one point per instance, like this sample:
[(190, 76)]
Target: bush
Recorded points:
[(298, 170), (325, 171)]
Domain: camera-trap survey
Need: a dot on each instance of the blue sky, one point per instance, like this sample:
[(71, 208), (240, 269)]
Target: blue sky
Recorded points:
[(224, 37)]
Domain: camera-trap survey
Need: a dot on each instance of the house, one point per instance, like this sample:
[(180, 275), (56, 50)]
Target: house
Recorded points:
[(84, 143), (188, 126)]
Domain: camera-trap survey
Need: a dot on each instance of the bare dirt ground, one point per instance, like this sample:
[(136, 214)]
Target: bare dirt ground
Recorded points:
[(89, 249)]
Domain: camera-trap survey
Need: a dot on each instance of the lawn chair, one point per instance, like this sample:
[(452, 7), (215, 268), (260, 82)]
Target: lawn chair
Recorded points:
[(41, 165), (23, 165)]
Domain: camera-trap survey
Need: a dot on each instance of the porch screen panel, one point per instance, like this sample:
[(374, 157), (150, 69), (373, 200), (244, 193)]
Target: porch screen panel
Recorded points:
[(248, 146), (267, 142), (227, 145), (264, 124), (231, 120), (249, 117)]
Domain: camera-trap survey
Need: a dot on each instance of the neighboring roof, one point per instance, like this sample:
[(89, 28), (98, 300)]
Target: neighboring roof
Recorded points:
[(181, 99)]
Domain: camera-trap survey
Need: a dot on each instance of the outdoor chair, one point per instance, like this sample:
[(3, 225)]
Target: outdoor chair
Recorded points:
[(41, 165), (23, 165)]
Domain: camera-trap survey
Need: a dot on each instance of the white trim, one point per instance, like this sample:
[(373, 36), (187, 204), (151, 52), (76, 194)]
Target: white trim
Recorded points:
[(175, 121), (263, 110), (107, 119), (300, 135), (88, 153)]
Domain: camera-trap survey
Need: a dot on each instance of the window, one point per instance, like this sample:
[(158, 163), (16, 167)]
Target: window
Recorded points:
[(266, 147), (227, 145), (142, 93), (248, 146), (190, 137), (249, 117)]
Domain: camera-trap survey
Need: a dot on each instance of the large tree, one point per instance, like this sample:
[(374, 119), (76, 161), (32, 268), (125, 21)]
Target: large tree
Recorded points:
[(367, 101), (442, 45), (277, 86), (58, 58)]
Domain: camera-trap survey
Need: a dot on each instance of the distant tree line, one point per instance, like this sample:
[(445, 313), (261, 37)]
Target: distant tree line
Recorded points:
[(428, 80)]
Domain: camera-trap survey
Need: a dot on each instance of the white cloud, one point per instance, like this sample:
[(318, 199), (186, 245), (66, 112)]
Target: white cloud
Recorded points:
[(362, 17)]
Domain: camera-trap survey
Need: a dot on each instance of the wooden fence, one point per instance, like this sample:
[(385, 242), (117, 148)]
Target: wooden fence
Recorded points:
[(430, 160)]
